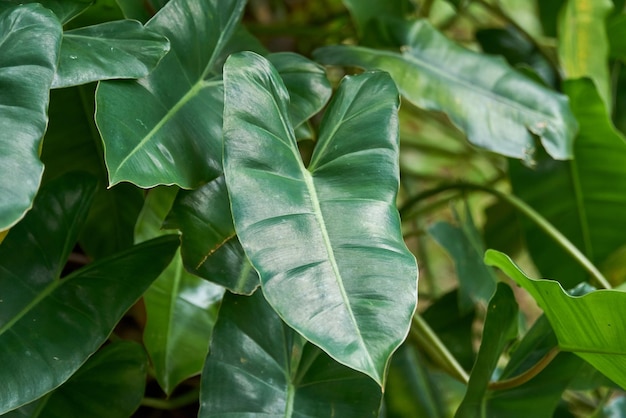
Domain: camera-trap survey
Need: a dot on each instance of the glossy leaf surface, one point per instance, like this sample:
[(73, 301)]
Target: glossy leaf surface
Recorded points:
[(248, 373), (209, 245), (109, 385), (120, 49), (591, 326), (500, 327), (181, 308), (30, 37), (49, 326), (325, 239), (577, 197), (583, 42), (167, 128), (498, 108)]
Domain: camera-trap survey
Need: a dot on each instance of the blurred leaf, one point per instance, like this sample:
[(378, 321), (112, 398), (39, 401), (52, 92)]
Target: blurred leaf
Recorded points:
[(548, 15), (181, 308), (325, 239), (477, 282), (120, 49), (500, 327), (577, 197), (452, 327), (591, 326), (210, 247), (30, 40), (49, 326), (502, 230), (616, 32), (141, 10), (167, 128), (249, 374), (583, 45), (110, 384), (498, 108), (517, 50), (364, 11), (65, 10)]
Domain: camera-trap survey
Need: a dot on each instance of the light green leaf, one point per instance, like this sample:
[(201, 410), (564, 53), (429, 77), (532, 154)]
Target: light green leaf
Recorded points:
[(585, 198), (477, 282), (325, 239), (181, 308), (110, 384), (210, 247), (498, 108), (583, 42), (500, 327), (167, 128), (258, 366), (30, 37), (48, 326), (591, 326), (120, 49)]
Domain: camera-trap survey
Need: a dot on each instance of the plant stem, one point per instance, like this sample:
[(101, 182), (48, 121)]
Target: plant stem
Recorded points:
[(436, 350), (528, 374), (174, 403), (529, 212)]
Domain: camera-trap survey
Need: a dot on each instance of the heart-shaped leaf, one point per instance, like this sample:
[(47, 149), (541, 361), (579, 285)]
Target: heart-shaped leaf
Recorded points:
[(120, 49), (49, 326), (181, 308), (325, 239), (591, 326), (167, 128), (258, 366), (30, 37), (498, 108), (117, 391)]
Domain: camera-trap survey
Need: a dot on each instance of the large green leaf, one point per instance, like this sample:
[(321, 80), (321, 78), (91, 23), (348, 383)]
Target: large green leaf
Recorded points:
[(181, 308), (167, 128), (49, 326), (258, 366), (616, 32), (364, 11), (498, 108), (110, 384), (65, 10), (477, 282), (325, 239), (591, 326), (120, 49), (30, 37), (585, 198), (209, 245), (583, 43), (500, 328)]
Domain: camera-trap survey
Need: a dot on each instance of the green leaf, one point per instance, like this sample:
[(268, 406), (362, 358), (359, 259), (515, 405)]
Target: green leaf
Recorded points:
[(500, 328), (325, 239), (65, 10), (577, 197), (110, 384), (306, 81), (30, 39), (249, 374), (583, 43), (181, 308), (591, 326), (141, 10), (498, 108), (364, 11), (477, 282), (616, 33), (121, 49), (49, 326), (210, 247), (167, 128)]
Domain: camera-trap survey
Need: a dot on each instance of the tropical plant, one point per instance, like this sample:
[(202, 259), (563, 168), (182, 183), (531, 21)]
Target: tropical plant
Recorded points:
[(215, 208)]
